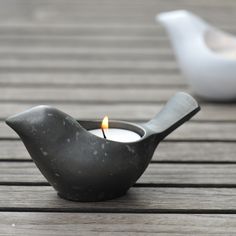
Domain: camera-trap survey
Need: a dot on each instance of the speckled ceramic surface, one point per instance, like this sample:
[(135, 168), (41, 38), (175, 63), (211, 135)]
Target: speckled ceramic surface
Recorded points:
[(84, 167)]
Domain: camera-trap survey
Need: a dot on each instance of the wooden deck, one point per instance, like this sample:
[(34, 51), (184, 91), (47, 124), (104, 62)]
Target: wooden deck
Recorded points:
[(91, 58)]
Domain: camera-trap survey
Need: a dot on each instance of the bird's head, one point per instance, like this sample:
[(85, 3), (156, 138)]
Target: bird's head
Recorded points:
[(41, 122)]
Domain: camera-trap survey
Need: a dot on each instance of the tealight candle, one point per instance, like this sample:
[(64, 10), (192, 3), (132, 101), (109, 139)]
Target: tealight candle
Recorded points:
[(119, 135)]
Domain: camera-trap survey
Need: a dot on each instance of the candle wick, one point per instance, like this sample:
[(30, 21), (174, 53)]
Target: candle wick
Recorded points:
[(104, 136)]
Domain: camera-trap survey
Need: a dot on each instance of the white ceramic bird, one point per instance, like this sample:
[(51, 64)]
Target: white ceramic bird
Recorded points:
[(206, 55)]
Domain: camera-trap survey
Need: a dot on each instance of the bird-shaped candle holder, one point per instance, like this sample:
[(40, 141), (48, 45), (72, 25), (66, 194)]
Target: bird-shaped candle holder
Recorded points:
[(84, 167)]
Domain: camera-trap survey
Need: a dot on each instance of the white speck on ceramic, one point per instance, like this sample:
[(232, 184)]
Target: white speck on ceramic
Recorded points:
[(68, 140), (130, 149), (105, 154), (50, 114), (95, 152), (103, 146), (77, 135), (43, 152), (57, 174), (13, 225), (64, 123)]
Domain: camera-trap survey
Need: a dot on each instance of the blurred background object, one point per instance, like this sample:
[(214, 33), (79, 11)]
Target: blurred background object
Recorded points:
[(206, 55)]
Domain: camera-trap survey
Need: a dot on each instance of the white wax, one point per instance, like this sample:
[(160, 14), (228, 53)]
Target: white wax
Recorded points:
[(119, 135)]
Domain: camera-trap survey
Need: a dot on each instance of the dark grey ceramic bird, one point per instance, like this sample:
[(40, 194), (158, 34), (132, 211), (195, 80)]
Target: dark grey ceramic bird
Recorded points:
[(84, 167)]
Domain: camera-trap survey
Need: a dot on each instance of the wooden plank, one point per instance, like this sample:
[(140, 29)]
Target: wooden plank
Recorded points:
[(28, 29), (104, 81), (137, 111), (100, 67), (110, 5), (190, 131), (82, 55), (77, 55), (85, 30), (93, 64), (123, 3), (42, 94), (83, 39), (166, 151), (44, 198), (71, 12), (205, 131), (77, 42), (158, 174), (186, 151), (13, 150), (112, 16), (158, 53), (65, 12), (99, 50), (134, 19), (61, 224)]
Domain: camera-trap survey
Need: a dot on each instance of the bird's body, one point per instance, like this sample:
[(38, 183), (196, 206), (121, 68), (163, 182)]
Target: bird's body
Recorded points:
[(78, 164), (206, 55), (84, 167)]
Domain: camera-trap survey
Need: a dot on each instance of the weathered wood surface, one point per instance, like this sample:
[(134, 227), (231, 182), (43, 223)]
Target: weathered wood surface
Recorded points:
[(50, 66), (86, 94), (107, 12), (100, 81), (49, 224), (91, 58), (144, 199)]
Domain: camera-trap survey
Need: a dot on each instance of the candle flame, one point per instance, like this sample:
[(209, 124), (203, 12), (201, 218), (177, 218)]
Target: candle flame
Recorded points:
[(105, 123)]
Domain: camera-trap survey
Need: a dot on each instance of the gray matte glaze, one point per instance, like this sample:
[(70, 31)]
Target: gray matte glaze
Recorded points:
[(84, 167)]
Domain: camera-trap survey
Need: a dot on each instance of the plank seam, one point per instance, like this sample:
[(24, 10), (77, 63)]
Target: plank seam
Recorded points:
[(118, 211), (137, 185)]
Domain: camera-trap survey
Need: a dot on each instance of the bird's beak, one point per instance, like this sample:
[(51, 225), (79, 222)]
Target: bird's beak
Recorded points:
[(13, 121), (17, 122)]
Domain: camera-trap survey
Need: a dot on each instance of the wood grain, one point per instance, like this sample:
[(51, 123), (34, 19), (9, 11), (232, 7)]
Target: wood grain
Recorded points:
[(95, 29), (84, 67), (86, 94), (114, 12), (44, 198), (159, 52), (95, 80), (80, 42), (70, 224)]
